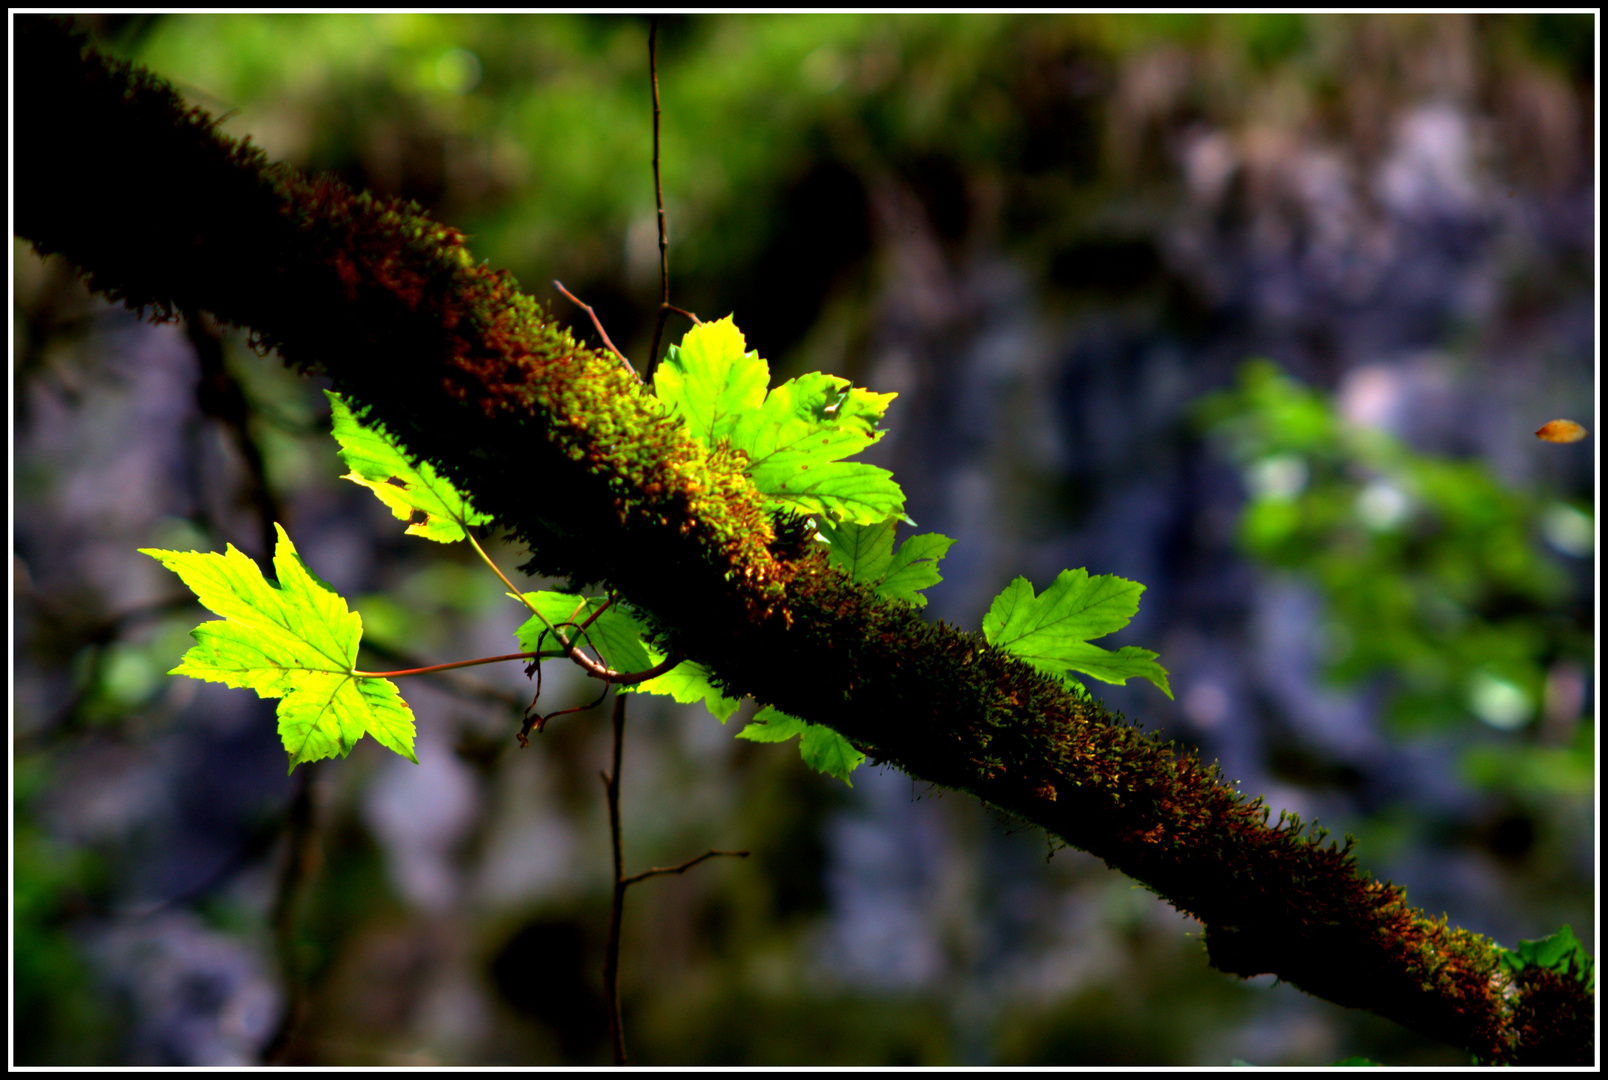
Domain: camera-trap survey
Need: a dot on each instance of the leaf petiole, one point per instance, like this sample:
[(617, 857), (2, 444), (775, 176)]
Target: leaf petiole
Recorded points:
[(455, 664), (591, 667)]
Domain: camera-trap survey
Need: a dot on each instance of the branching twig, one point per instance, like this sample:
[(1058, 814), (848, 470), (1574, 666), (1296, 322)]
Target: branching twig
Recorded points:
[(601, 608), (538, 722), (611, 780)]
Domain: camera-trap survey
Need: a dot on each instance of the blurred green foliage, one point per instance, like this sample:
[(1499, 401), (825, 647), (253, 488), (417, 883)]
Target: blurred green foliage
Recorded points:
[(1435, 576), (532, 132)]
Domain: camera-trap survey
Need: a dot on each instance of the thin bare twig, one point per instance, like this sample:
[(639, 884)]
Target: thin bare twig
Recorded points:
[(611, 958), (457, 684), (431, 669), (683, 311), (689, 864), (559, 285), (658, 198), (538, 722)]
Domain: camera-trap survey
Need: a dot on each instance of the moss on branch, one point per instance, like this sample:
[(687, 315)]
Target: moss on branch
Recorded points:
[(161, 212)]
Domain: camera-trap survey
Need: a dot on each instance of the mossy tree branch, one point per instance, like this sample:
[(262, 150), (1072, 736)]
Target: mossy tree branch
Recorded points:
[(567, 450)]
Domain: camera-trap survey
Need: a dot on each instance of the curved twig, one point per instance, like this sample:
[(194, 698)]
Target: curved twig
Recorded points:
[(538, 722)]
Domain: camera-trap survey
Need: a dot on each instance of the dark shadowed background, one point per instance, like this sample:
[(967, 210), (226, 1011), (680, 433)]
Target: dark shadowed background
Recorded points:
[(1060, 239)]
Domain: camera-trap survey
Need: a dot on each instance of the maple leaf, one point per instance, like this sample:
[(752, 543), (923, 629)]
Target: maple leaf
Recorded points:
[(822, 749), (295, 641), (709, 380), (866, 553), (1051, 631), (794, 436), (376, 461)]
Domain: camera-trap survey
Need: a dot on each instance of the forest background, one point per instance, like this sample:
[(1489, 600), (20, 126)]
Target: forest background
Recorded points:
[(1059, 238)]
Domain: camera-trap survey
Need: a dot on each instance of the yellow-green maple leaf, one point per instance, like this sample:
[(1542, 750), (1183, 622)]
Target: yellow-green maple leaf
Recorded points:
[(295, 641)]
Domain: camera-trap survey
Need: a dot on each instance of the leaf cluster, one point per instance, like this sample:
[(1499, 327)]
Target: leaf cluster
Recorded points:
[(793, 440)]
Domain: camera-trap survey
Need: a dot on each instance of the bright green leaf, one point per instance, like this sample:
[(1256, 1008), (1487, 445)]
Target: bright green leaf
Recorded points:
[(709, 380), (866, 553), (296, 641), (822, 749), (915, 567), (771, 725), (687, 682), (1075, 608), (807, 417), (1114, 667), (795, 436), (1051, 631), (376, 461), (850, 490), (795, 441)]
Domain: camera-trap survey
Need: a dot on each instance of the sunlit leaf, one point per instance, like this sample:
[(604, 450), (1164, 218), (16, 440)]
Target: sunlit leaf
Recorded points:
[(822, 749), (866, 553), (379, 465), (687, 682), (1051, 631), (710, 380), (795, 437), (295, 641)]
